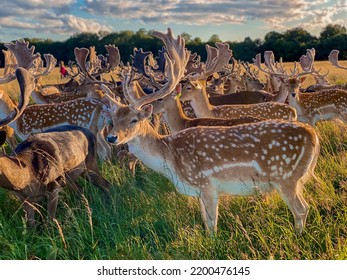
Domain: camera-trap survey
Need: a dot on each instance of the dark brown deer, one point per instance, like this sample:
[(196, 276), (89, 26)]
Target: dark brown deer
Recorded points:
[(42, 165)]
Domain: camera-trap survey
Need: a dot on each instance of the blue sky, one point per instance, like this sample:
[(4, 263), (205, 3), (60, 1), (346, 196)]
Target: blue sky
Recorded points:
[(231, 19)]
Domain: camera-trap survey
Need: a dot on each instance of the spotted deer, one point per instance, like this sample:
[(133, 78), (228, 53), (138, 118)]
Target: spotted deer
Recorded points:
[(88, 74), (37, 118), (312, 107), (173, 114), (42, 164), (206, 162), (194, 92)]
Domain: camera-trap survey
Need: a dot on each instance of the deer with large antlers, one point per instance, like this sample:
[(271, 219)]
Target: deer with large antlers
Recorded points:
[(37, 118), (44, 162), (173, 114), (206, 162), (195, 92), (311, 107), (89, 70)]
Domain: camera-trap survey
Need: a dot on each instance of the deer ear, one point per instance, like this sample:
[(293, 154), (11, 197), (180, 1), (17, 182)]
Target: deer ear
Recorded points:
[(147, 111), (2, 137)]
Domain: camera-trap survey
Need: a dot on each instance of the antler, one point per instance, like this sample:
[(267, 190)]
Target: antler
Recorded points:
[(194, 65), (27, 85), (176, 60), (24, 57), (333, 58), (274, 69), (94, 68), (217, 58), (10, 62)]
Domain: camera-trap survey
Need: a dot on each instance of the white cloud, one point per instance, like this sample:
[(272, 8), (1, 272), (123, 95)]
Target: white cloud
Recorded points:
[(66, 17)]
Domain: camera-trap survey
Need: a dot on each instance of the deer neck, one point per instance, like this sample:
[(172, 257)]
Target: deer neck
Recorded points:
[(282, 94), (38, 97), (151, 148), (175, 117), (295, 103), (201, 105), (14, 174)]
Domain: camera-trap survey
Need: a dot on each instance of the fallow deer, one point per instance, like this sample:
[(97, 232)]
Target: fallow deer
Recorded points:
[(37, 118), (311, 107), (194, 92), (206, 162), (41, 165), (173, 114)]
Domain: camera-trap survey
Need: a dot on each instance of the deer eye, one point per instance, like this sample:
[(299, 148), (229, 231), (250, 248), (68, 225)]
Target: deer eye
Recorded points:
[(133, 121)]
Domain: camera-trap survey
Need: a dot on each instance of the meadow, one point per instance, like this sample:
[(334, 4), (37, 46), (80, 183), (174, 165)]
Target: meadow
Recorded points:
[(146, 218)]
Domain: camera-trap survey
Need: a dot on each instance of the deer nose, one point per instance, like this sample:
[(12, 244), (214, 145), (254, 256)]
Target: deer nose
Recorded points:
[(293, 93), (111, 139)]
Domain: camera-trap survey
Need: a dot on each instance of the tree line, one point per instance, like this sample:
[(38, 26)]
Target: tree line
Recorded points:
[(289, 45)]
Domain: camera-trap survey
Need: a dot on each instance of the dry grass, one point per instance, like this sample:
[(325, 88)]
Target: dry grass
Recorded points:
[(335, 76)]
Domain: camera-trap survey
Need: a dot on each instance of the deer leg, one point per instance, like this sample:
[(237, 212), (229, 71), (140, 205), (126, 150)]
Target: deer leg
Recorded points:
[(29, 214), (132, 165), (103, 148), (52, 198), (209, 210), (95, 177), (297, 204)]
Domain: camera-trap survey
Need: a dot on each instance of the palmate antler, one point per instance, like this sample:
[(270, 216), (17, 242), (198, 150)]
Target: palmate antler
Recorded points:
[(217, 59), (274, 69), (176, 58), (24, 57), (333, 58), (26, 84), (95, 67)]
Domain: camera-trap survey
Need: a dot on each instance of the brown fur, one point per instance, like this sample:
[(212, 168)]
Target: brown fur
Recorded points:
[(42, 164), (210, 161)]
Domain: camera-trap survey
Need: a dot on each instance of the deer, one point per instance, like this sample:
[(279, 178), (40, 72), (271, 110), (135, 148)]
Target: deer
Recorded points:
[(66, 92), (39, 117), (20, 55), (42, 164), (173, 114), (311, 107), (206, 162), (195, 92)]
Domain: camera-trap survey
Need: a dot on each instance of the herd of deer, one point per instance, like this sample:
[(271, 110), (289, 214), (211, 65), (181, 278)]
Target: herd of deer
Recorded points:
[(225, 132)]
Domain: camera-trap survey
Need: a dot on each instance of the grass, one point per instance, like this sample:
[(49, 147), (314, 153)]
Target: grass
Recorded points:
[(146, 218)]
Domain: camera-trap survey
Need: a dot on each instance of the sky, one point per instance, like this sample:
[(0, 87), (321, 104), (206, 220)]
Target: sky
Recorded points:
[(232, 20)]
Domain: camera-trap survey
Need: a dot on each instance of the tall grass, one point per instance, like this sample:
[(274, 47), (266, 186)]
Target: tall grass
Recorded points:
[(145, 218)]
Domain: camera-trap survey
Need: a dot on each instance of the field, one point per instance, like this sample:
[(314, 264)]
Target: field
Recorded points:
[(147, 219)]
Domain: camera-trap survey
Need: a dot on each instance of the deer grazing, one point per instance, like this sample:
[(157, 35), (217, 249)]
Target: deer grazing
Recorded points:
[(45, 162), (206, 162)]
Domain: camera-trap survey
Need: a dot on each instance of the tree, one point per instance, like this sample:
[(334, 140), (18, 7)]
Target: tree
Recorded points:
[(213, 39), (332, 30)]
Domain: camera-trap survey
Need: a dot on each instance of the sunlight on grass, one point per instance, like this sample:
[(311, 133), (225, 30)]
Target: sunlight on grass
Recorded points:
[(145, 217)]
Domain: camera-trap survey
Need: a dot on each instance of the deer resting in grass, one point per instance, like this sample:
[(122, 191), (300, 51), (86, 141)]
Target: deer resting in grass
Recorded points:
[(206, 162), (44, 162)]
